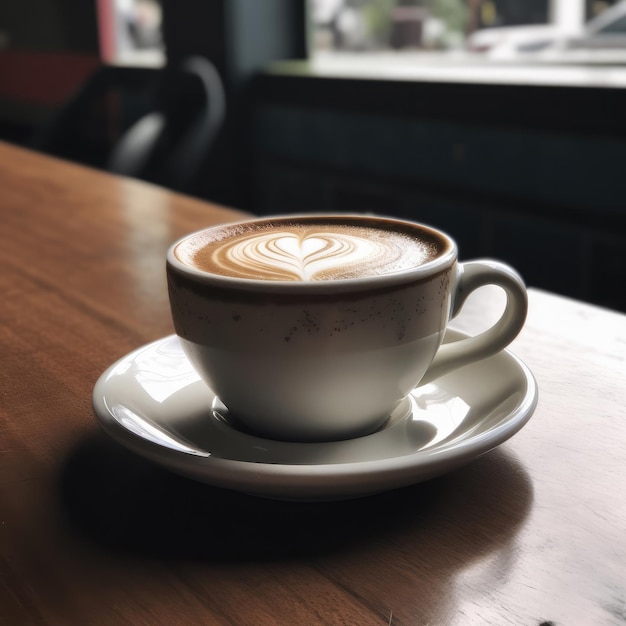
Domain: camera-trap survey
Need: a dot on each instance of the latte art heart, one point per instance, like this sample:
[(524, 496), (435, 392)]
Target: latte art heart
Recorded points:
[(289, 256), (307, 252)]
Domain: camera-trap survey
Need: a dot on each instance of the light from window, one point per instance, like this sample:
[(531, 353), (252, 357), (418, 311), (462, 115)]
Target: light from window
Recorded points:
[(493, 29)]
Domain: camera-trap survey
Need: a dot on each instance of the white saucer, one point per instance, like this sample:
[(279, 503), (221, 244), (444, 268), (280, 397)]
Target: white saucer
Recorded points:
[(153, 402)]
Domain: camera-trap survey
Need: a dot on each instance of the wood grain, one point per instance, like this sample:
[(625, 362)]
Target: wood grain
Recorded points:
[(532, 532)]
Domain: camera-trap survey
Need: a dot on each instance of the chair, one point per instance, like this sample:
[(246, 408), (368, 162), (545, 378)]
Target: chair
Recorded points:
[(156, 125)]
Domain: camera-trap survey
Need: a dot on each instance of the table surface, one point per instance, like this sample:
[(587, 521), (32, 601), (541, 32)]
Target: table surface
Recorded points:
[(533, 532)]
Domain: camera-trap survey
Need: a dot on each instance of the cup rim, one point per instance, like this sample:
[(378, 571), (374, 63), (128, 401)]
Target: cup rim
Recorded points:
[(426, 270)]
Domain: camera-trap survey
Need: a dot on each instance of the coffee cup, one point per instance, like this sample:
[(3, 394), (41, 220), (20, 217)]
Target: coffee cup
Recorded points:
[(315, 327)]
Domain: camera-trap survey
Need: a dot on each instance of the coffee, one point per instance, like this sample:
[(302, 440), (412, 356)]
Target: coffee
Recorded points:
[(310, 249)]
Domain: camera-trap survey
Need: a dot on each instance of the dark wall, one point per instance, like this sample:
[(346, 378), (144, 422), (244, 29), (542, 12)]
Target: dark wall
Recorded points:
[(240, 37), (530, 175), (49, 48), (69, 25)]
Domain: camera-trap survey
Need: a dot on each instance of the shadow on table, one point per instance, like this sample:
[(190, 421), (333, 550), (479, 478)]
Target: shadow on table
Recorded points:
[(129, 505)]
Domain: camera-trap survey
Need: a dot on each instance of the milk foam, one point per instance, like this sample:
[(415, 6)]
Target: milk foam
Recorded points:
[(306, 252)]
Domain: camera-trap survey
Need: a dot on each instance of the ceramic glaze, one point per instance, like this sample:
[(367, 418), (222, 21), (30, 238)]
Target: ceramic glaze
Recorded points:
[(335, 320), (153, 401)]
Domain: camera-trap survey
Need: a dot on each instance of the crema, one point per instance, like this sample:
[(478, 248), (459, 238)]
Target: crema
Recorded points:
[(309, 249)]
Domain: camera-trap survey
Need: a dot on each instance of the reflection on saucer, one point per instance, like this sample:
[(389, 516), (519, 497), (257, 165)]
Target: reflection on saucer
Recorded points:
[(403, 433), (153, 402)]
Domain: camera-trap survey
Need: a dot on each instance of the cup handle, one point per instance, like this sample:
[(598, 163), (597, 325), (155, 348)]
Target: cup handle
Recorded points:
[(470, 276)]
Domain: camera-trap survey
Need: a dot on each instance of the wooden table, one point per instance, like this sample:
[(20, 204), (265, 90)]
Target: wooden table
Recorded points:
[(533, 532)]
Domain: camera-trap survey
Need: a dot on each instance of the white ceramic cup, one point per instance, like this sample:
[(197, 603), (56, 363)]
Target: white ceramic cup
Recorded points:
[(331, 359)]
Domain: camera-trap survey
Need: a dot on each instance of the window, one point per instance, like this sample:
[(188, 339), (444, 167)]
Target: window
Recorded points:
[(130, 32), (523, 30)]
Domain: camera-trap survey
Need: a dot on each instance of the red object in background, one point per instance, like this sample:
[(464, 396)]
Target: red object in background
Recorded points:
[(43, 78)]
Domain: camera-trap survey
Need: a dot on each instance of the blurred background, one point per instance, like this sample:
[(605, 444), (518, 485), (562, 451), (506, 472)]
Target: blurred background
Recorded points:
[(500, 121), (501, 28)]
